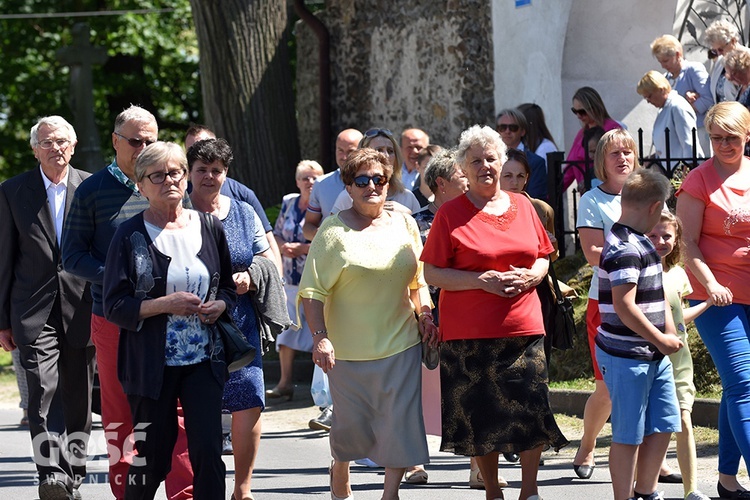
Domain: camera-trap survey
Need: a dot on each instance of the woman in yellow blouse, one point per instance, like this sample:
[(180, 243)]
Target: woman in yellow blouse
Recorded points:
[(361, 287)]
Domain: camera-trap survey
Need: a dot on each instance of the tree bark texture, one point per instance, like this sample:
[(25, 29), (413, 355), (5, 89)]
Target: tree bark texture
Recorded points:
[(247, 89)]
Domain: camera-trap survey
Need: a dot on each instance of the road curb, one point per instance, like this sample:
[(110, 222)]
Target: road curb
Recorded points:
[(566, 401), (572, 402)]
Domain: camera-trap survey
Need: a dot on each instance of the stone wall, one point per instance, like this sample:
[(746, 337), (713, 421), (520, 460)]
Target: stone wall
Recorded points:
[(427, 64)]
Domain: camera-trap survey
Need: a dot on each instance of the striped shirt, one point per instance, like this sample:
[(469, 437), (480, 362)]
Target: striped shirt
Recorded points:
[(628, 257)]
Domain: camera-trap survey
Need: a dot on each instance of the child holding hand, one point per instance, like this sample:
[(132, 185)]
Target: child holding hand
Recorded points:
[(666, 237)]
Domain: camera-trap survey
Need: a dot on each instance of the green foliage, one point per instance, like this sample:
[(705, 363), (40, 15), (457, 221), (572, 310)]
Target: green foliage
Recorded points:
[(153, 62), (576, 363)]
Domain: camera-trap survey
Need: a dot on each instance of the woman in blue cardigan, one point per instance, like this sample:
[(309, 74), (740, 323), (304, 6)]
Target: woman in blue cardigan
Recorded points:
[(168, 276)]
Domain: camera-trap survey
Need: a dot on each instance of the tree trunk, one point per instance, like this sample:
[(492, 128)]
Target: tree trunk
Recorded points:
[(247, 89)]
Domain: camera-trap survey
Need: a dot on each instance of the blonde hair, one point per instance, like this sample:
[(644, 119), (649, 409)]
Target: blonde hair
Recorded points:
[(673, 258), (666, 46), (308, 165), (730, 116), (651, 82), (606, 143), (737, 60), (593, 104)]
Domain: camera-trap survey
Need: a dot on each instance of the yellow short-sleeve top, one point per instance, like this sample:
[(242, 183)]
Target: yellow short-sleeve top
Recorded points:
[(363, 278)]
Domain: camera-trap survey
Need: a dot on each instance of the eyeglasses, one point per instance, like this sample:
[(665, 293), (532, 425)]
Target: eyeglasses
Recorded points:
[(374, 132), (502, 127), (135, 143), (730, 140), (160, 177), (49, 144), (579, 112), (362, 181)]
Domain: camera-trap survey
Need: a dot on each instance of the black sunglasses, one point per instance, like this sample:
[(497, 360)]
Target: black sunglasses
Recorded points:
[(135, 143), (362, 181), (579, 112), (374, 132), (502, 127)]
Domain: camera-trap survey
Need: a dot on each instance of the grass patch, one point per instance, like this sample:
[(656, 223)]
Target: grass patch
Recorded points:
[(5, 358), (587, 384)]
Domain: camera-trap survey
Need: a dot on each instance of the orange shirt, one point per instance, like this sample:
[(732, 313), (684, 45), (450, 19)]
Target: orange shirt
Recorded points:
[(725, 234), (465, 238)]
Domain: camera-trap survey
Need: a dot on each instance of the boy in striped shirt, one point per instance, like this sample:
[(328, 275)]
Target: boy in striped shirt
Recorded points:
[(635, 336)]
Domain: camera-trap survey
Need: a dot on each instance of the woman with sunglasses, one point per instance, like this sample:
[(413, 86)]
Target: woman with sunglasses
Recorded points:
[(487, 251), (168, 276), (398, 197), (360, 289), (590, 111)]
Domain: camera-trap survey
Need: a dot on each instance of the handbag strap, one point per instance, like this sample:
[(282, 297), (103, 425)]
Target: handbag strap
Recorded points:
[(555, 286)]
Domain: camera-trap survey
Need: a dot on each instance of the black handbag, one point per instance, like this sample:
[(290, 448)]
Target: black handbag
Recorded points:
[(237, 350), (559, 322)]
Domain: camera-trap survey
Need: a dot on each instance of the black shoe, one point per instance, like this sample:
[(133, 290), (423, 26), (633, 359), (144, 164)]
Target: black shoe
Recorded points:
[(673, 478), (584, 471), (511, 457), (737, 494), (52, 489)]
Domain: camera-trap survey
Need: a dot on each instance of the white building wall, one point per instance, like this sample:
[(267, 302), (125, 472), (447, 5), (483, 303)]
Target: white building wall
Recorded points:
[(528, 49), (548, 49)]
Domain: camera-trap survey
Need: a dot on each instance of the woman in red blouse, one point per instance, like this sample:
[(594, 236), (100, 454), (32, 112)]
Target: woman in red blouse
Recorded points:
[(487, 251)]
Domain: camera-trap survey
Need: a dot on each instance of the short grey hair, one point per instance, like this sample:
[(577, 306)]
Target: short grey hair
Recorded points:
[(54, 122), (134, 114), (159, 153), (478, 135), (721, 31), (443, 164)]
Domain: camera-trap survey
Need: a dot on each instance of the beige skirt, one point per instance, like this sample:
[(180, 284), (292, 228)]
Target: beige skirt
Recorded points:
[(377, 410)]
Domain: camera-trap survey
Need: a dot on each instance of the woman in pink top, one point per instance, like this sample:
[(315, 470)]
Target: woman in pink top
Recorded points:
[(590, 111), (714, 199)]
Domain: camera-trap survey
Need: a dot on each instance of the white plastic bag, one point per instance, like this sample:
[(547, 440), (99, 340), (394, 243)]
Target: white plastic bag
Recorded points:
[(319, 390)]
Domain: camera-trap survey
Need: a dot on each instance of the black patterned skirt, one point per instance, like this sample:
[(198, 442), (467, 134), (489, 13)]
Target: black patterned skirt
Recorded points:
[(495, 397)]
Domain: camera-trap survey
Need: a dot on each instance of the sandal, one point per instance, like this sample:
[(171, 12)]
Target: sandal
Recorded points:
[(416, 476)]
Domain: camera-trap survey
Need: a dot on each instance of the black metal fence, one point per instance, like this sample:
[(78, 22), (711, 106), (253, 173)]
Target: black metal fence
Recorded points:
[(672, 167)]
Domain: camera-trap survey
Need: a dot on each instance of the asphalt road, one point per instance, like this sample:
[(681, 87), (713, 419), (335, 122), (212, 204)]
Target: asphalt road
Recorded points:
[(293, 460)]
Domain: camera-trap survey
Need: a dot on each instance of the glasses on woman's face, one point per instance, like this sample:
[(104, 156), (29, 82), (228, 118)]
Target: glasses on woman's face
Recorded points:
[(374, 132), (729, 140), (579, 112), (159, 177), (362, 181)]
